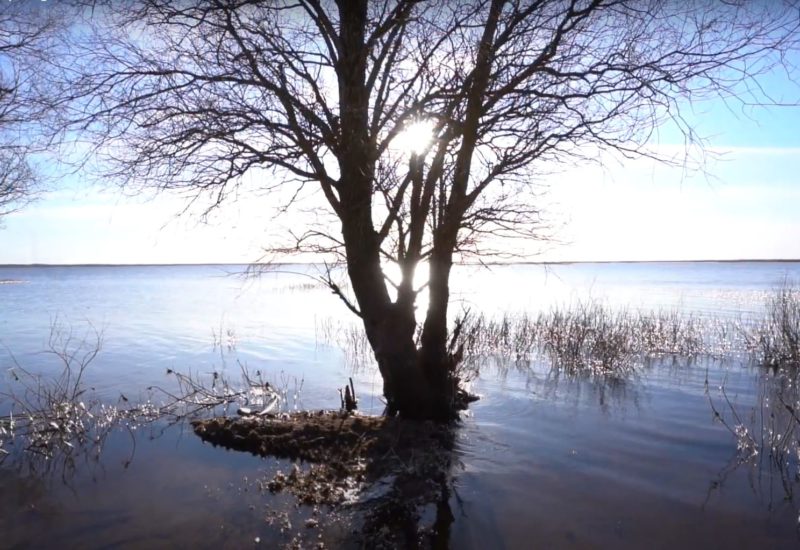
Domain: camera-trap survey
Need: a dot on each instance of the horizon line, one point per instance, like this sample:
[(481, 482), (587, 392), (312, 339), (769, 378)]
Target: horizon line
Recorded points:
[(521, 262)]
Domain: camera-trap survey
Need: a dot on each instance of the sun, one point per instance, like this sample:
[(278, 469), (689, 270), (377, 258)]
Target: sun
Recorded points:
[(415, 137)]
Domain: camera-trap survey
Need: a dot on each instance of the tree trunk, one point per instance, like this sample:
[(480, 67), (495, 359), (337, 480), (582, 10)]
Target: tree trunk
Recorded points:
[(418, 382), (436, 361), (415, 381), (405, 386)]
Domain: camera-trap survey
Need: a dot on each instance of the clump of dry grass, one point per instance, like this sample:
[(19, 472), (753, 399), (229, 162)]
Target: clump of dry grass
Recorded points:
[(584, 337), (775, 339), (596, 338)]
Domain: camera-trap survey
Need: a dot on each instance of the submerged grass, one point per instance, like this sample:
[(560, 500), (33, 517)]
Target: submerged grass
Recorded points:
[(775, 339), (767, 432), (591, 337)]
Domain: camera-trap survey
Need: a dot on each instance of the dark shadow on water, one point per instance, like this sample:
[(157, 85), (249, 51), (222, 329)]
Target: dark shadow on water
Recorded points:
[(394, 478), (416, 511)]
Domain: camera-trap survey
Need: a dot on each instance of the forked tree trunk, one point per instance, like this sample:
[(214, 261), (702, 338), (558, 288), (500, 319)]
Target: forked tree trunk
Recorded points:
[(418, 378), (415, 379), (405, 388)]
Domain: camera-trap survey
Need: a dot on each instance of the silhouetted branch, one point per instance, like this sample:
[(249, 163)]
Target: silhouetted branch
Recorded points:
[(24, 99)]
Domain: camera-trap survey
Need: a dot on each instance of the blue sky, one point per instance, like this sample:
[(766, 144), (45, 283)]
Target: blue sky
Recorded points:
[(744, 204)]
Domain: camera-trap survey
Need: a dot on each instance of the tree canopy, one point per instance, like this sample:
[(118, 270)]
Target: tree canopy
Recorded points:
[(313, 94)]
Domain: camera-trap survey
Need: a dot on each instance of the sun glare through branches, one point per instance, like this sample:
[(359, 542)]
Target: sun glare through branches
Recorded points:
[(415, 137)]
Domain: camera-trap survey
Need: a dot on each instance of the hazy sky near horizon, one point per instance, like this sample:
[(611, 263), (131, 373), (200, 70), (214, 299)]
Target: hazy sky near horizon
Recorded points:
[(744, 204)]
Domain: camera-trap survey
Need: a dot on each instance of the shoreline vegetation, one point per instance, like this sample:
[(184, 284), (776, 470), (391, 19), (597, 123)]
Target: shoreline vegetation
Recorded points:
[(51, 425), (593, 338)]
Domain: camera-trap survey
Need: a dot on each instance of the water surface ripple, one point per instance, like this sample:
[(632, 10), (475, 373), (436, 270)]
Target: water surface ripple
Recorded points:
[(542, 460)]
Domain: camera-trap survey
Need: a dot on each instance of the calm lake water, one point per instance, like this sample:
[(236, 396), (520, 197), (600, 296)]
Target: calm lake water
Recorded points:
[(542, 460)]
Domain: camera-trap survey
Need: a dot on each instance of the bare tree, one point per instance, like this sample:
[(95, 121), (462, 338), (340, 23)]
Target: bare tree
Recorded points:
[(24, 29), (199, 95)]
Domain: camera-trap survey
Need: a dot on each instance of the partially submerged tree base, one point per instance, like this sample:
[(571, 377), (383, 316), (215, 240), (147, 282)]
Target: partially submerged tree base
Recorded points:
[(388, 467), (426, 404)]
